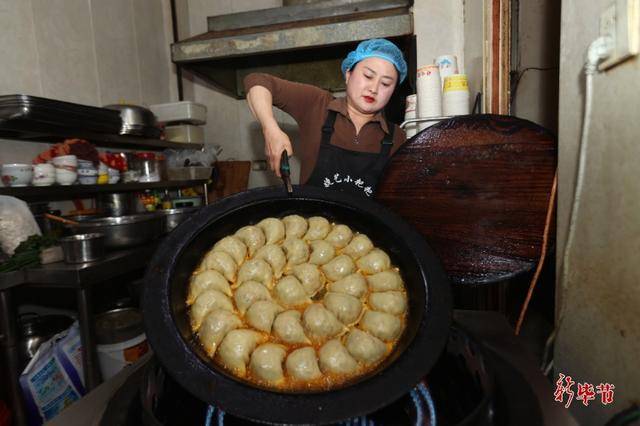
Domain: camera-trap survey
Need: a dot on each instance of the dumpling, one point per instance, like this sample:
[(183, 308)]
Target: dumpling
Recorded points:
[(344, 306), (339, 268), (391, 302), (261, 314), (295, 226), (321, 252), (288, 328), (296, 250), (274, 256), (207, 279), (358, 247), (310, 277), (235, 349), (221, 262), (249, 292), (334, 358), (384, 326), (273, 229), (321, 323), (266, 363), (365, 347), (256, 270), (252, 237), (319, 227), (385, 280), (290, 292), (340, 236), (353, 284), (302, 364), (207, 301), (234, 247), (215, 326), (374, 262)]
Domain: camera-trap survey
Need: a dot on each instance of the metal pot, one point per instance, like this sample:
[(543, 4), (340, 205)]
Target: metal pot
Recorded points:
[(81, 248), (174, 217), (116, 203), (123, 231), (167, 322), (36, 329)]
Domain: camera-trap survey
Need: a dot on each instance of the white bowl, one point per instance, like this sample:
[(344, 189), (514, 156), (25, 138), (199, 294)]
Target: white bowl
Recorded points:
[(65, 177), (68, 162), (16, 174)]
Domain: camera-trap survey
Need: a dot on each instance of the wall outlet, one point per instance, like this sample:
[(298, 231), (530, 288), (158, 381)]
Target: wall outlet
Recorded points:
[(621, 22)]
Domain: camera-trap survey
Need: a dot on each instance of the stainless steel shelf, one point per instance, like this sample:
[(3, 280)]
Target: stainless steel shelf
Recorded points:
[(59, 192)]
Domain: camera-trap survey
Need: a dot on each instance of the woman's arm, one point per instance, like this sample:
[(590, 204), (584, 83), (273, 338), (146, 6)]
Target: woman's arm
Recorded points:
[(276, 141)]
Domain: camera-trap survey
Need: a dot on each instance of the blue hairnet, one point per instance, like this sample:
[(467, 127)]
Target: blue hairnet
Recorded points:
[(379, 48)]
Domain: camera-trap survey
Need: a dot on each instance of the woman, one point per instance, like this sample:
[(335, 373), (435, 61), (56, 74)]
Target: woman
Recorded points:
[(346, 142)]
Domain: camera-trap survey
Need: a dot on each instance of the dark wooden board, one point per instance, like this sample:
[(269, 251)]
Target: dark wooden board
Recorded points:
[(477, 187)]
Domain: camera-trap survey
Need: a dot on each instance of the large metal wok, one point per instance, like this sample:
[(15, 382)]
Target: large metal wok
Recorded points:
[(167, 322)]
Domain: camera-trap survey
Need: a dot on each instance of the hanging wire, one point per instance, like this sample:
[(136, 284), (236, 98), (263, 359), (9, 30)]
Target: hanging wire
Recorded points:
[(424, 390), (210, 411)]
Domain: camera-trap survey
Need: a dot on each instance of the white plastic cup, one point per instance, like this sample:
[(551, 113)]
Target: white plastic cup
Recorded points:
[(447, 65), (429, 93), (410, 112), (456, 98)]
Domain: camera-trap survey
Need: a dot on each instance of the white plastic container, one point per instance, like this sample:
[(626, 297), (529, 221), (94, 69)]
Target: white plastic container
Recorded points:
[(184, 112), (116, 356), (187, 133)]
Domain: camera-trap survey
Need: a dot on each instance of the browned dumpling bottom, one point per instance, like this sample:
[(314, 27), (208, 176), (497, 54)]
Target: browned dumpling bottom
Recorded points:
[(297, 303)]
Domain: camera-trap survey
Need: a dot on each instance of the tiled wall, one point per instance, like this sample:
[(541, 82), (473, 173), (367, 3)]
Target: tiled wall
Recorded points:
[(93, 52)]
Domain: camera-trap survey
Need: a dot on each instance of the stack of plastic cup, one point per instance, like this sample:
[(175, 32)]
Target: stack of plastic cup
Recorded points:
[(409, 113), (429, 94), (455, 99), (448, 65)]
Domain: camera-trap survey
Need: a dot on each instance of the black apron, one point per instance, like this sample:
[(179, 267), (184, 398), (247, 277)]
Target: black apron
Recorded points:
[(346, 170)]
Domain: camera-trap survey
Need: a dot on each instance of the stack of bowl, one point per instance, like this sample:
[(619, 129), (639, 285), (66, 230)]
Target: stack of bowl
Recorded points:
[(87, 172)]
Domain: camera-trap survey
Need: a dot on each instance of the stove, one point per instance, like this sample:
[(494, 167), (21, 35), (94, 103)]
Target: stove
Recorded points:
[(471, 384)]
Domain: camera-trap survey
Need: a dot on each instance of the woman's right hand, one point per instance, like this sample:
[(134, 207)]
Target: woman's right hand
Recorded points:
[(275, 143)]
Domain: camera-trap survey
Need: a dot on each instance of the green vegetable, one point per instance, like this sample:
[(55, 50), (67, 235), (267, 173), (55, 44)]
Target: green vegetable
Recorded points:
[(27, 253)]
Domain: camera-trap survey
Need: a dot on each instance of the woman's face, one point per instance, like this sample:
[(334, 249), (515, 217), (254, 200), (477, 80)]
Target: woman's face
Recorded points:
[(370, 84)]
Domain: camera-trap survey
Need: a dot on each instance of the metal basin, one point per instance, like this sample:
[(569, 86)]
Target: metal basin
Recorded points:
[(174, 217), (123, 231)]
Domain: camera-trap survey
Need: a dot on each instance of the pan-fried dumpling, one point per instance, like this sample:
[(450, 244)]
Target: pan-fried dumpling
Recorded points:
[(391, 302), (261, 314), (385, 280), (273, 229), (344, 306), (358, 247), (274, 256), (221, 262), (353, 284), (256, 270), (249, 292), (310, 277), (296, 250), (288, 328), (365, 347), (235, 349), (234, 247), (207, 301), (252, 237), (207, 279), (334, 358), (302, 364), (321, 323), (215, 326), (290, 292), (340, 236), (321, 252), (295, 226), (266, 363), (384, 326), (339, 268), (319, 227), (373, 262)]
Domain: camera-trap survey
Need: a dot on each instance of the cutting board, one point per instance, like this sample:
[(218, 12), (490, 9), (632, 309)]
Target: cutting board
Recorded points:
[(477, 187)]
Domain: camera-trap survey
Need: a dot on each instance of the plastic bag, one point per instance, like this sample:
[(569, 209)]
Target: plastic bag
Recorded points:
[(16, 223), (53, 379), (190, 157)]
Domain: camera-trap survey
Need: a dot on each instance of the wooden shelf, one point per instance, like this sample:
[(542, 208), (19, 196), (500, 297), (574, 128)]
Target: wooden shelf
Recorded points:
[(28, 131), (59, 192)]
